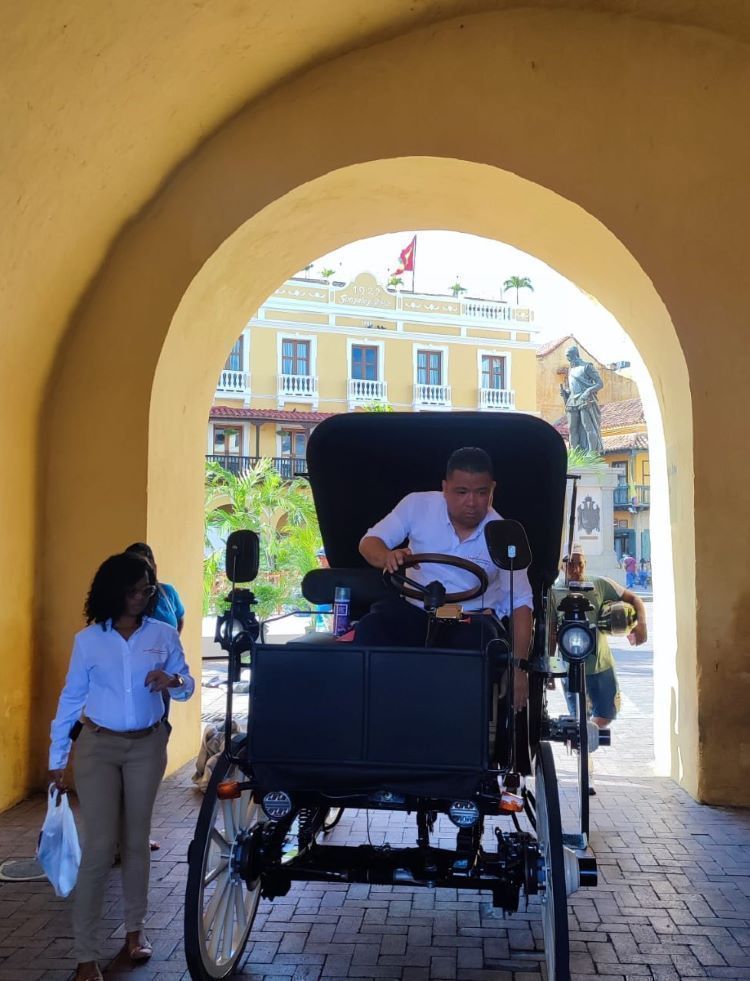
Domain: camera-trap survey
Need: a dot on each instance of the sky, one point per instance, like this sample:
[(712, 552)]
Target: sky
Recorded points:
[(481, 265)]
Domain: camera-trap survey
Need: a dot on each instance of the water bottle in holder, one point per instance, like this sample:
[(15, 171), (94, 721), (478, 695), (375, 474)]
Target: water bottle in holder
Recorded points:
[(341, 608)]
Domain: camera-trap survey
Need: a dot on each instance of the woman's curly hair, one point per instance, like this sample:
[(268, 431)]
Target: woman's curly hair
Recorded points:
[(114, 577)]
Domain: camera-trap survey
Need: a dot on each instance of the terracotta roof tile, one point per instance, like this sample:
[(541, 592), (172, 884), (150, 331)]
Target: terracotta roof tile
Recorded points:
[(271, 415), (625, 441), (551, 346), (615, 415), (629, 412)]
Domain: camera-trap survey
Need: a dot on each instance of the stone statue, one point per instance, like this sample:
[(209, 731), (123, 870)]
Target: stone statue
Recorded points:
[(581, 404)]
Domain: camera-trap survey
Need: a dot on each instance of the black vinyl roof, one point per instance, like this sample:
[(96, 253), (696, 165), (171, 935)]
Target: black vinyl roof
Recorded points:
[(361, 465)]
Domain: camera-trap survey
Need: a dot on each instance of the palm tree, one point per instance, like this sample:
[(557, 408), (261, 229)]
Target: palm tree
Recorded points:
[(395, 281), (283, 515), (457, 289), (327, 273), (518, 283)]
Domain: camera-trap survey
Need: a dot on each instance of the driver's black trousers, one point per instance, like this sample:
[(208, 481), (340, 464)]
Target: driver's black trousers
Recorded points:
[(396, 623)]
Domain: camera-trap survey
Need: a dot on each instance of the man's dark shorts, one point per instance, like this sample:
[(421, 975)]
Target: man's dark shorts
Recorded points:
[(603, 695)]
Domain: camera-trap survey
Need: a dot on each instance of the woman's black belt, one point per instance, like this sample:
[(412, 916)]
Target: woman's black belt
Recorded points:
[(127, 733)]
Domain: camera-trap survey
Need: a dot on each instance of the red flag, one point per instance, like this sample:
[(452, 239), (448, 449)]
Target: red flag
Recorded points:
[(406, 259)]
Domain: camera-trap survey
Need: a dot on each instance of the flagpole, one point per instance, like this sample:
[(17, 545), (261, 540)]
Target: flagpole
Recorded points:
[(414, 264)]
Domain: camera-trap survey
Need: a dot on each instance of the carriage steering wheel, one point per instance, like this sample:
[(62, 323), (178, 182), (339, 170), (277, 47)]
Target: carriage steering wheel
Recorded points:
[(415, 590)]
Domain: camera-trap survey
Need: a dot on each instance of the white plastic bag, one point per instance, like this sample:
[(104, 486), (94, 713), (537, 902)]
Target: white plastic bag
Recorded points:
[(58, 851)]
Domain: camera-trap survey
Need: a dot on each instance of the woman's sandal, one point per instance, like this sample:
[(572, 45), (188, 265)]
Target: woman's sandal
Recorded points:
[(139, 947), (88, 972)]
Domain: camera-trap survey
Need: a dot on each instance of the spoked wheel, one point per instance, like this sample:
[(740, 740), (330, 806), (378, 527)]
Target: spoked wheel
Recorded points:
[(553, 894), (332, 818), (219, 908), (583, 765)]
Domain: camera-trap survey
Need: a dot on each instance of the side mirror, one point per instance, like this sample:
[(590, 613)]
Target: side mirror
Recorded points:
[(242, 556), (507, 544)]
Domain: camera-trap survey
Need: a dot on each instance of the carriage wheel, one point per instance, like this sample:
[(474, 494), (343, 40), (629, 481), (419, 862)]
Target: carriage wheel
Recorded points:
[(219, 908), (332, 818), (553, 894), (537, 708), (583, 764)]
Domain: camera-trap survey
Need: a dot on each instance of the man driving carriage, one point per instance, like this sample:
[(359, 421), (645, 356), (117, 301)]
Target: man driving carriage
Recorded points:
[(415, 717), (451, 522)]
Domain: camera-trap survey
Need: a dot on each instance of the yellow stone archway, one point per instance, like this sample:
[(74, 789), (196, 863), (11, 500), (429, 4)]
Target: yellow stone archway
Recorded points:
[(611, 152), (531, 218)]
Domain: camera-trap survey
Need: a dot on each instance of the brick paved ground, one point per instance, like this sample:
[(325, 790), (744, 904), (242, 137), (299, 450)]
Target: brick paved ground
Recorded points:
[(673, 900)]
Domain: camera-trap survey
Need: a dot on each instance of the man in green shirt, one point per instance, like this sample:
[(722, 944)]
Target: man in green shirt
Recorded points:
[(601, 679)]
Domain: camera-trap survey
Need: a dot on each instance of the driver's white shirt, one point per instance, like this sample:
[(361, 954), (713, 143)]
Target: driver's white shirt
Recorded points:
[(422, 519)]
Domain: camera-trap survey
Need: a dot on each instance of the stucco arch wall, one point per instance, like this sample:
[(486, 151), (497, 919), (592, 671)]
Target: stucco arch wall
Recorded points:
[(631, 139)]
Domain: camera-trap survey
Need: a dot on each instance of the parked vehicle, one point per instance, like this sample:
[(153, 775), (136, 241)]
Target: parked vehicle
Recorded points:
[(425, 730)]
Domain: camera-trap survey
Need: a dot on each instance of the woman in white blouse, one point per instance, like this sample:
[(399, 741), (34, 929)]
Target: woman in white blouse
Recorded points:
[(120, 665)]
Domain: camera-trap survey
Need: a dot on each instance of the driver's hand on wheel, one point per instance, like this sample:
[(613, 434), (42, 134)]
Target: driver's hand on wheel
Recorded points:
[(395, 558)]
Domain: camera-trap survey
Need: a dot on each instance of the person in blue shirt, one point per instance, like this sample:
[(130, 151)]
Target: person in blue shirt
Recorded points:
[(169, 608), (121, 665)]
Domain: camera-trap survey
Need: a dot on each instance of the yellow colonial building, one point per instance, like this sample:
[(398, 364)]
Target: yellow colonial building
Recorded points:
[(315, 348)]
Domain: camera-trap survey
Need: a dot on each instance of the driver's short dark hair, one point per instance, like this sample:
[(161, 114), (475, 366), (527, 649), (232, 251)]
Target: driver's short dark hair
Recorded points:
[(470, 459)]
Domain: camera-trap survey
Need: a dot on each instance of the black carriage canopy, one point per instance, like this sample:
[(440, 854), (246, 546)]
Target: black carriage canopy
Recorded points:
[(348, 720), (362, 464)]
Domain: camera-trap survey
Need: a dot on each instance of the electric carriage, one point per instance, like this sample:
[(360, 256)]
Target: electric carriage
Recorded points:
[(428, 730)]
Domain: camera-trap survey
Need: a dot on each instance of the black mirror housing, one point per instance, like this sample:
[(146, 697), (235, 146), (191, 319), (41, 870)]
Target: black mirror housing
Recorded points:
[(242, 557), (507, 544)]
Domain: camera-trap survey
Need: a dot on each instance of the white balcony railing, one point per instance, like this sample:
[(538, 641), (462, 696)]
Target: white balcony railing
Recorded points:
[(234, 382), (487, 310), (431, 396), (295, 388), (497, 398), (362, 390)]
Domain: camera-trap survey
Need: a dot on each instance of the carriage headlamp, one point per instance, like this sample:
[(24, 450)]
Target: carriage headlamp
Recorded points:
[(576, 637), (576, 640)]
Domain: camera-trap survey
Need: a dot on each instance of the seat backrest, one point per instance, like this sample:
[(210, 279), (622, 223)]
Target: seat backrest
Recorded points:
[(366, 586)]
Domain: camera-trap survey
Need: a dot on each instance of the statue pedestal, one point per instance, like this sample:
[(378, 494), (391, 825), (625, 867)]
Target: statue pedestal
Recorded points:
[(594, 527)]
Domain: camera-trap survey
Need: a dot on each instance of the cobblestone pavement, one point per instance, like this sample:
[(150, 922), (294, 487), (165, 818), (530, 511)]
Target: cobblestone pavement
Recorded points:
[(673, 899)]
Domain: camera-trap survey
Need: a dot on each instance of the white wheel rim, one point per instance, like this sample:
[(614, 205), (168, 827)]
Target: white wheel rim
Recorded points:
[(226, 907), (548, 893)]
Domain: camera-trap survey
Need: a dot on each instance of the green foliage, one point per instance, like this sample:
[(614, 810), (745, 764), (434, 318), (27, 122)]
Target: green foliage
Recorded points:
[(395, 281), (457, 289), (327, 273), (283, 515), (518, 283), (377, 407), (584, 458)]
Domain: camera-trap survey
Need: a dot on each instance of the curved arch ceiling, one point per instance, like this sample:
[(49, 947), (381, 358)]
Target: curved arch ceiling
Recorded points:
[(102, 101)]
